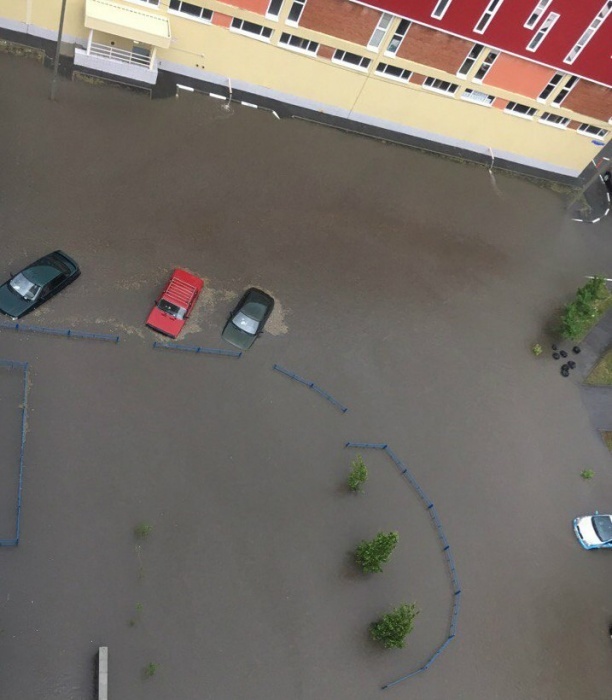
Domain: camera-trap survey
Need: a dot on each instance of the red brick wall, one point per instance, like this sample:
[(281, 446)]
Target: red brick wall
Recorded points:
[(435, 49), (221, 20), (259, 6), (590, 99), (500, 103), (339, 18), (325, 52), (417, 78)]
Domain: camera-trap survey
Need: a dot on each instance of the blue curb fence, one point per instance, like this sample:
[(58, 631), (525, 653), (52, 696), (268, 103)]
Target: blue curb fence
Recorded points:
[(197, 349), (66, 332), (11, 364), (311, 385), (450, 562)]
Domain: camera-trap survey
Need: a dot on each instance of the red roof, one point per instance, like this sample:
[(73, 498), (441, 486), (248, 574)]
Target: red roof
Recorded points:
[(507, 32)]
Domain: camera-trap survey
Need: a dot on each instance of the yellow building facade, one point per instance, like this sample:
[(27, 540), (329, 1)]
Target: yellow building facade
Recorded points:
[(260, 50)]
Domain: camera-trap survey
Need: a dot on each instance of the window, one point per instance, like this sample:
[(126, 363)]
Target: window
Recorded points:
[(520, 110), (440, 86), (351, 59), (538, 11), (487, 16), (552, 84), (296, 11), (554, 120), (590, 130), (485, 66), (274, 8), (193, 11), (381, 29), (440, 8), (250, 28), (147, 2), (589, 32), (564, 91), (298, 44), (540, 35), (393, 72), (397, 38), (479, 98), (466, 66)]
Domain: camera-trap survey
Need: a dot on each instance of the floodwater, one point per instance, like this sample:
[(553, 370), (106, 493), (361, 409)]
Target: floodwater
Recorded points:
[(408, 287)]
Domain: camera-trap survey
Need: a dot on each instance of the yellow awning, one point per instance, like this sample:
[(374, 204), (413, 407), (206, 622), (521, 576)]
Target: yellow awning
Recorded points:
[(129, 22)]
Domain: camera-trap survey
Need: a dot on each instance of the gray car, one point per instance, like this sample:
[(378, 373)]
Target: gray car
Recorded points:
[(247, 320), (37, 283)]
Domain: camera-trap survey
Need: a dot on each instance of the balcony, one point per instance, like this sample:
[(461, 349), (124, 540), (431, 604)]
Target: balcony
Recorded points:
[(139, 65)]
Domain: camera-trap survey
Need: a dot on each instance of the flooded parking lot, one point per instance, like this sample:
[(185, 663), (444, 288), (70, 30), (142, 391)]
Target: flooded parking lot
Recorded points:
[(409, 288)]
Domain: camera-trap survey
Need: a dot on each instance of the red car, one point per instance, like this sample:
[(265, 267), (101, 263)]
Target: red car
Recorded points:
[(175, 303)]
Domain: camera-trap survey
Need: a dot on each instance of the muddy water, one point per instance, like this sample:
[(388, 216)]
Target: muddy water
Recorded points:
[(408, 287)]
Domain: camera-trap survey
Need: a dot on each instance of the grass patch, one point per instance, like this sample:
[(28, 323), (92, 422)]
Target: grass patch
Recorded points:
[(601, 374), (21, 50), (606, 436)]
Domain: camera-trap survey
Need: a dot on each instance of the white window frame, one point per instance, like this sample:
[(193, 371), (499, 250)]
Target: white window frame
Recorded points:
[(271, 15), (431, 84), (487, 16), (398, 36), (553, 84), (565, 91), (298, 49), (468, 93), (380, 31), (253, 35), (536, 13), (145, 3), (522, 115), (400, 79), (548, 118), (187, 15), (354, 66), (589, 32), (543, 31), (596, 131), (469, 60), (440, 8), (487, 65), (301, 4)]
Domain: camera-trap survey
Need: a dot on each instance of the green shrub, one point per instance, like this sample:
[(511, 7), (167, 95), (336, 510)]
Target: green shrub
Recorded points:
[(143, 530), (358, 475), (372, 554), (587, 473), (393, 628), (536, 349), (578, 316), (150, 669)]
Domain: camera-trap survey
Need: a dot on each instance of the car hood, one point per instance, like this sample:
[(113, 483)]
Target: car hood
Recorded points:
[(586, 531), (164, 323), (237, 337), (11, 304)]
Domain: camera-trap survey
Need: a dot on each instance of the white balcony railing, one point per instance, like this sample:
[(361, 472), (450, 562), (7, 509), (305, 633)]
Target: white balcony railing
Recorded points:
[(114, 54)]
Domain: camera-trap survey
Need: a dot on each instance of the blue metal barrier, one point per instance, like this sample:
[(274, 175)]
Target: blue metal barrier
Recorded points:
[(197, 349), (11, 364), (450, 563), (311, 385), (66, 332)]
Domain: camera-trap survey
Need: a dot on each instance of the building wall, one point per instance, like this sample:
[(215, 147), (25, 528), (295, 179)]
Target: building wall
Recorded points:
[(407, 105)]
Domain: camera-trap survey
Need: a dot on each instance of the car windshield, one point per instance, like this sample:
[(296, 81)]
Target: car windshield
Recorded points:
[(22, 286), (245, 323), (602, 524), (172, 309)]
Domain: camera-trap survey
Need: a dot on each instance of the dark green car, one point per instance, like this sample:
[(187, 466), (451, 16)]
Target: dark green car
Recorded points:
[(247, 320), (37, 283)]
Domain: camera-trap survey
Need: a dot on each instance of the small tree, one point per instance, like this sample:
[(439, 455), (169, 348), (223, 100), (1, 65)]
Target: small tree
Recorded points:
[(393, 628), (143, 530), (372, 554), (358, 475)]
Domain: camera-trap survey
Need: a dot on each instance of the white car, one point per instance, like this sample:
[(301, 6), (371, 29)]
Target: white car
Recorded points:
[(594, 531)]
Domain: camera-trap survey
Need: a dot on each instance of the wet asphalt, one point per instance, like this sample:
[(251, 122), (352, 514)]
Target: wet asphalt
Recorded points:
[(409, 287)]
